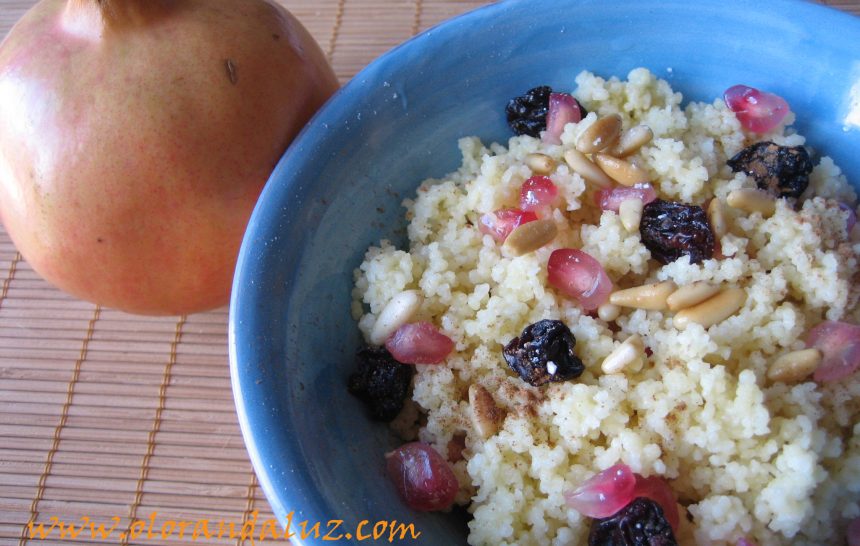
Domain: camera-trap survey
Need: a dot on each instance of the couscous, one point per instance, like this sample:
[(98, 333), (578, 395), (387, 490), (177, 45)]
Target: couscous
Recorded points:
[(720, 402)]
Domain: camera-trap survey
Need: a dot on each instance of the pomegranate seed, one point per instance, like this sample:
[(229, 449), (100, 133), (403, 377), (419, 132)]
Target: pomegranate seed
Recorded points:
[(839, 343), (609, 491), (853, 532), (422, 477), (656, 489), (501, 223), (419, 343), (563, 109), (744, 541), (538, 193), (604, 493), (611, 198), (578, 275), (852, 216), (757, 111)]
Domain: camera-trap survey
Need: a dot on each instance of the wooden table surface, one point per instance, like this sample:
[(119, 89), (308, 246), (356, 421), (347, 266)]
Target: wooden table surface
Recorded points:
[(115, 417)]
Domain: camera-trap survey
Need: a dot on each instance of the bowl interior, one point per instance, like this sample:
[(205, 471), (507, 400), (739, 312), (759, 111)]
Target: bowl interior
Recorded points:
[(339, 189)]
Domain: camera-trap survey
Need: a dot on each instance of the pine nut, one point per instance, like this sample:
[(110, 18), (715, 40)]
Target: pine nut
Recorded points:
[(637, 364), (586, 168), (713, 310), (599, 135), (530, 236), (630, 213), (395, 314), (795, 366), (608, 312), (750, 200), (690, 295), (648, 296), (637, 161), (487, 417), (631, 140), (623, 172), (625, 354), (717, 218), (540, 163)]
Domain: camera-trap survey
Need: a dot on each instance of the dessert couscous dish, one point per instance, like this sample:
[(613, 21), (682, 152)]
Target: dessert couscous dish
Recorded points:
[(635, 311)]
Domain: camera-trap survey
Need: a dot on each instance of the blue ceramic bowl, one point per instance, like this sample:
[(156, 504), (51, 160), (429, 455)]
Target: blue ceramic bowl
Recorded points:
[(339, 187)]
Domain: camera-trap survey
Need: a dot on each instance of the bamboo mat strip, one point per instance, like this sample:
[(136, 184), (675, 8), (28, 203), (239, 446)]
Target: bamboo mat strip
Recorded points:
[(249, 507), (13, 265), (116, 417), (156, 427), (335, 29), (64, 414)]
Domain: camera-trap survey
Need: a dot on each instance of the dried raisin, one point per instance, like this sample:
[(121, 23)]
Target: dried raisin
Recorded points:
[(381, 382), (544, 352), (782, 171), (671, 230), (640, 523), (527, 113)]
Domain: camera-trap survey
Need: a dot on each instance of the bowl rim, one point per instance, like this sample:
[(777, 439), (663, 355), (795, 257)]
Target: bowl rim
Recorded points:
[(342, 100), (237, 309)]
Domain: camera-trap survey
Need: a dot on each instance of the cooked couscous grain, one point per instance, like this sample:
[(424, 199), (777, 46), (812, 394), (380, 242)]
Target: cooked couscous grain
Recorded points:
[(774, 462)]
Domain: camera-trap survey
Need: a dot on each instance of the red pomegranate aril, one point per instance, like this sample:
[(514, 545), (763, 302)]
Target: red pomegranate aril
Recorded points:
[(757, 111), (422, 477), (609, 491), (604, 493), (563, 109), (578, 275), (538, 193), (839, 343), (419, 343), (501, 223), (656, 489), (744, 541), (611, 198)]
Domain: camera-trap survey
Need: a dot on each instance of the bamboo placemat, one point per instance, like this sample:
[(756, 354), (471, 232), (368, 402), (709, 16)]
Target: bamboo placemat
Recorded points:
[(114, 417)]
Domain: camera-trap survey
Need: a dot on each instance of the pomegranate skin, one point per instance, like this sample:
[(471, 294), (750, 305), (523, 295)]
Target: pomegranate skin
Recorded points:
[(137, 136)]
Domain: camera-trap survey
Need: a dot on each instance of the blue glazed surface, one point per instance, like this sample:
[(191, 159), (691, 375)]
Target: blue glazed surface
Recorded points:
[(339, 187)]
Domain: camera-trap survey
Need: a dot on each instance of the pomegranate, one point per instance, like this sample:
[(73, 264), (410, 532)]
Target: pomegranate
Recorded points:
[(578, 275), (563, 109), (605, 493), (538, 194), (419, 343), (611, 198), (609, 491), (422, 477), (656, 489), (839, 343), (757, 111), (501, 223), (137, 135)]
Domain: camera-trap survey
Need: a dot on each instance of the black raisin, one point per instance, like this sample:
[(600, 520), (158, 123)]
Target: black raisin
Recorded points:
[(381, 382), (527, 113), (671, 230), (640, 523), (782, 171), (544, 353)]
